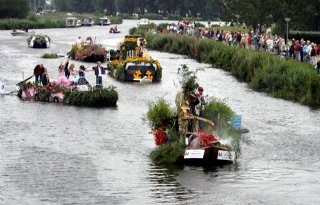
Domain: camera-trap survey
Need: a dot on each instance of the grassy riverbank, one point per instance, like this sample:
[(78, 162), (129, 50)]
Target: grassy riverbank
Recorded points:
[(50, 20), (286, 79)]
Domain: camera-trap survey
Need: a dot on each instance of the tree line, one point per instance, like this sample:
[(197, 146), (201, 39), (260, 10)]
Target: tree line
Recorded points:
[(304, 15)]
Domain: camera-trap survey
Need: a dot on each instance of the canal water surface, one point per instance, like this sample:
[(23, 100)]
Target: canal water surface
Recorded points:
[(55, 154)]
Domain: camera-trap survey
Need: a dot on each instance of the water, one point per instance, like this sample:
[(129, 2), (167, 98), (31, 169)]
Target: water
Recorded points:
[(55, 154)]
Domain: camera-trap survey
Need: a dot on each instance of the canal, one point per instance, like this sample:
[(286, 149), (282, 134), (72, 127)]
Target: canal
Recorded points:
[(56, 154)]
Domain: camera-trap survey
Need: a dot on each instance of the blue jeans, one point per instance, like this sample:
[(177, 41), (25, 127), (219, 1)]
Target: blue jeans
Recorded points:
[(98, 80)]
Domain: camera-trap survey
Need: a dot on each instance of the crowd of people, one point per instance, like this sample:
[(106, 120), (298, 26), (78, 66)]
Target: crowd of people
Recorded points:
[(69, 76), (301, 50)]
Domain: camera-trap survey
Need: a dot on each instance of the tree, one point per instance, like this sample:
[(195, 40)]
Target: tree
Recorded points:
[(14, 9)]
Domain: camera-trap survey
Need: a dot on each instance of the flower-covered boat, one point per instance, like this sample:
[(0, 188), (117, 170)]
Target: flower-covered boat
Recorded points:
[(88, 51), (188, 133), (131, 62), (39, 41), (97, 97)]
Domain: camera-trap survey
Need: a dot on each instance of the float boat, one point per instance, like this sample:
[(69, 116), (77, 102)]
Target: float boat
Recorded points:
[(131, 62)]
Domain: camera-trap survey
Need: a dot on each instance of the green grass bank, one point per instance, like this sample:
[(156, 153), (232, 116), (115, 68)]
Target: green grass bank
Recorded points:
[(280, 78)]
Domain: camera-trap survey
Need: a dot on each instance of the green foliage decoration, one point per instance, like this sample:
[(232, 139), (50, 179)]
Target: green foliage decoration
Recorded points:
[(50, 55)]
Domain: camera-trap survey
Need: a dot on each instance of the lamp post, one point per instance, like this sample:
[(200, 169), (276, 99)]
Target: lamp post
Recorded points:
[(237, 16), (287, 19)]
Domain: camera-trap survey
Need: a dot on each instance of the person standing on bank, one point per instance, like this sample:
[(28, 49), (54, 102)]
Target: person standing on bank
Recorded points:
[(99, 71)]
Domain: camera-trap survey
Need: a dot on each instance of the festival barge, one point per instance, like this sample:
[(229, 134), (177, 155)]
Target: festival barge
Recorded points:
[(93, 97), (39, 41), (131, 62), (88, 51), (188, 134)]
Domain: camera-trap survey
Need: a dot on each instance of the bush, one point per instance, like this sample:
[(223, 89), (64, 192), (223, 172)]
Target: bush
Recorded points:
[(98, 97), (159, 113), (50, 55)]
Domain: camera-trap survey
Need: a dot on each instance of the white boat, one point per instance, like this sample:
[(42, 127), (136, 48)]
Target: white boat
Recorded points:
[(143, 22), (21, 33), (73, 22), (104, 21), (87, 21)]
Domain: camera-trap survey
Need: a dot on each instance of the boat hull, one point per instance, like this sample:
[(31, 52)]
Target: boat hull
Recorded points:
[(208, 156), (139, 72)]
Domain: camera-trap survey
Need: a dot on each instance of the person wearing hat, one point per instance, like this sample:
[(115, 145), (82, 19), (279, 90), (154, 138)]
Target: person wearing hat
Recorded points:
[(201, 99)]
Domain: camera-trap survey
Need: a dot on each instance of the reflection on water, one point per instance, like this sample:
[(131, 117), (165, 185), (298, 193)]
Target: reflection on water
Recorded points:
[(58, 177), (165, 188)]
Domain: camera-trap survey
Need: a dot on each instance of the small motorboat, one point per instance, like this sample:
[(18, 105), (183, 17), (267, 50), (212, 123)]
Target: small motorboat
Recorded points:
[(21, 33), (114, 29)]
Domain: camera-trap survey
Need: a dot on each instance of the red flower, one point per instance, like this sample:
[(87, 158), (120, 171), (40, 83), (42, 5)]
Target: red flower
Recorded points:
[(160, 137)]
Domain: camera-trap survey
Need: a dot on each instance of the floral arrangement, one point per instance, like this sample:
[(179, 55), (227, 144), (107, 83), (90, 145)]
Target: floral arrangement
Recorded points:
[(165, 123), (136, 60), (88, 53), (39, 41)]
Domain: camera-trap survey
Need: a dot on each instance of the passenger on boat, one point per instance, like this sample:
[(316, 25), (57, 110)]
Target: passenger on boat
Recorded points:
[(82, 79), (37, 72), (99, 71), (194, 104), (66, 69), (63, 81), (89, 41), (201, 105), (200, 96), (45, 77), (79, 41), (74, 75)]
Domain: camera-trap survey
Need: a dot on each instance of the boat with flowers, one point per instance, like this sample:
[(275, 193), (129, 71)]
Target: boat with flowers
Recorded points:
[(188, 134), (39, 41), (95, 97), (88, 51), (131, 62)]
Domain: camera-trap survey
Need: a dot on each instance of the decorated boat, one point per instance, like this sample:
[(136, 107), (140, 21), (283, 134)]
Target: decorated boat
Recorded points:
[(88, 51), (21, 33), (79, 96), (131, 62), (39, 41), (114, 29), (188, 134)]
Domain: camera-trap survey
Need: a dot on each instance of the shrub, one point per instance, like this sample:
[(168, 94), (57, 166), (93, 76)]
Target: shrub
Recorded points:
[(50, 55), (159, 113)]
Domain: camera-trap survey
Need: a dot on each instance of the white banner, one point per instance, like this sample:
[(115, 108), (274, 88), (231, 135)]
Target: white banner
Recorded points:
[(194, 153), (226, 155)]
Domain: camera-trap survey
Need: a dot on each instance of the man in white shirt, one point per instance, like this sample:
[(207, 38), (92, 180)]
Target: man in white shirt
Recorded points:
[(98, 71)]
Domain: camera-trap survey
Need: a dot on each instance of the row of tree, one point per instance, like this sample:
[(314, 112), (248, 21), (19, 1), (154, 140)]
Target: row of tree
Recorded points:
[(301, 15), (304, 15)]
